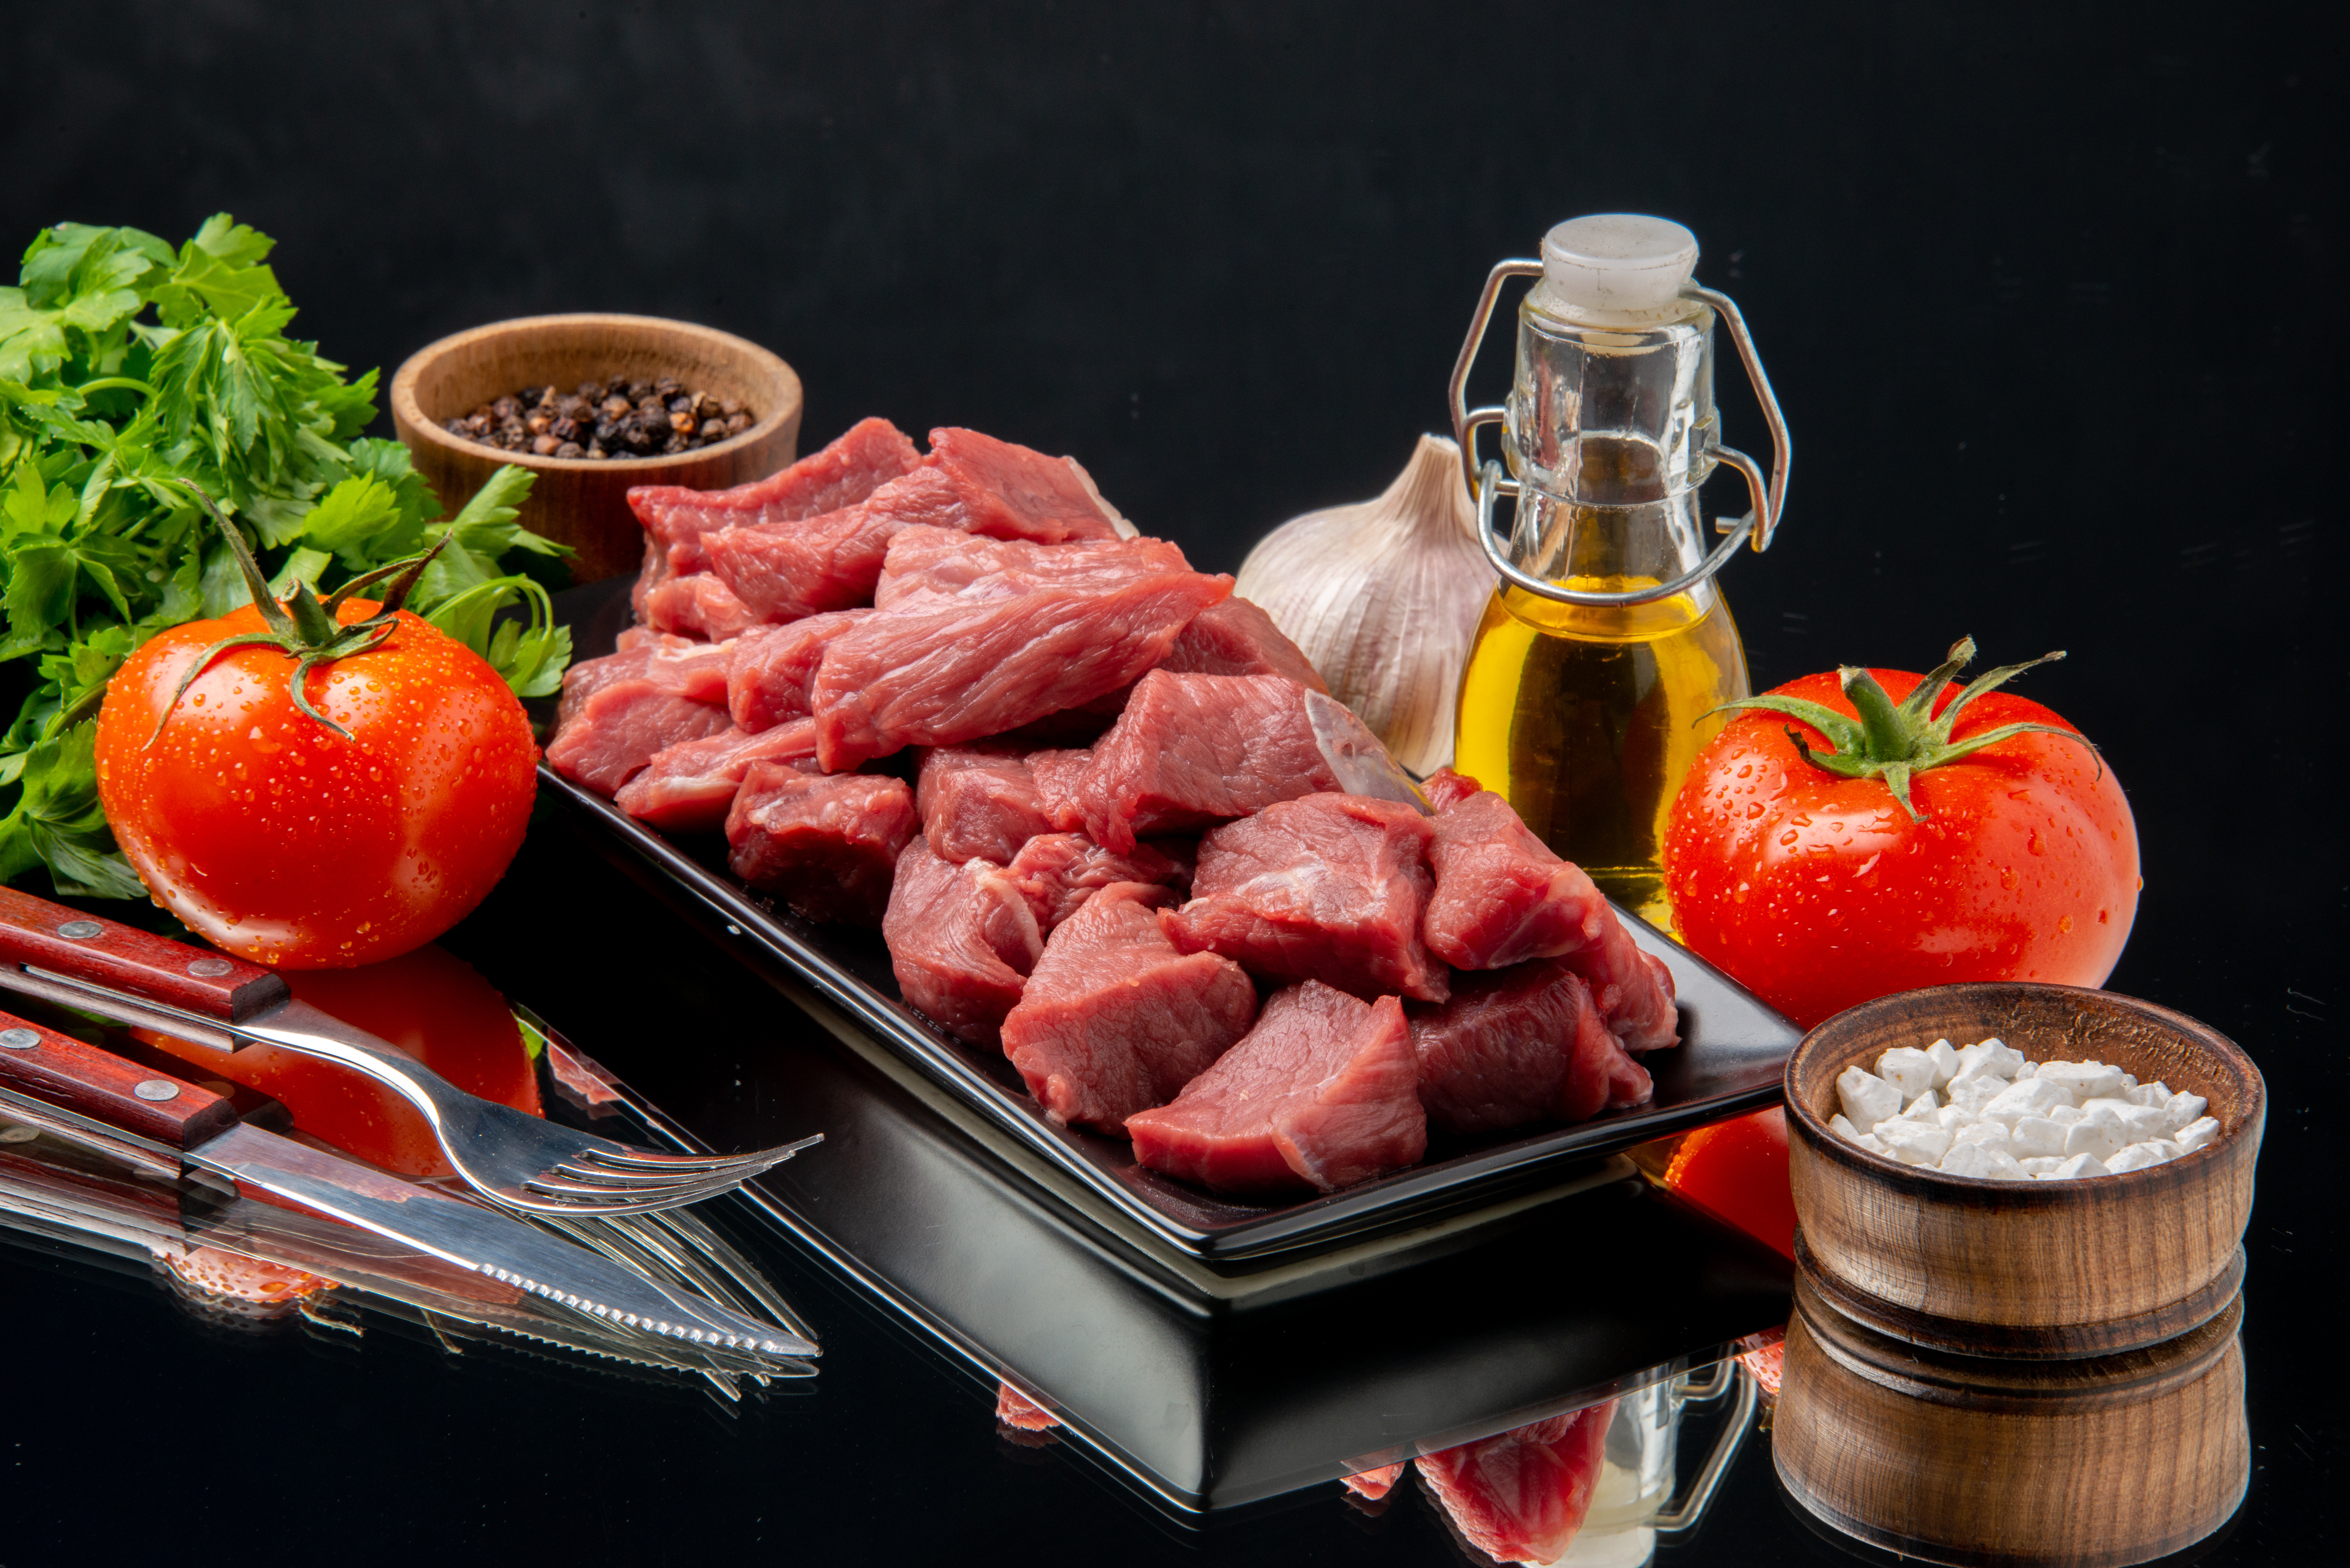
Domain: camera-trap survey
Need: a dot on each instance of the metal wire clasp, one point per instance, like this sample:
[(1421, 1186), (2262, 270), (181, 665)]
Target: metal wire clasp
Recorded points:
[(1485, 480)]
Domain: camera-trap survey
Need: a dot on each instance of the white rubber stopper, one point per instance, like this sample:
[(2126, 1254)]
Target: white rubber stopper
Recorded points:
[(1619, 267)]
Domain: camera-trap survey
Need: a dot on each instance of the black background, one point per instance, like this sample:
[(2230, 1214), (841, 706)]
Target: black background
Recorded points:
[(2050, 295)]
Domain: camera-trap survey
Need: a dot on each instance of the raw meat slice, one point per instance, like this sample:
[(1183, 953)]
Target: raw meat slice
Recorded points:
[(962, 939), (689, 787), (1330, 887), (1521, 1497), (934, 676), (826, 845), (1016, 1410), (927, 565), (804, 567), (1444, 787), (1190, 750), (1059, 871), (618, 729), (676, 664), (1520, 1045), (698, 606), (1115, 1021), (768, 683), (1374, 1483), (1502, 895), (866, 455), (978, 803), (1057, 771), (1237, 638), (1017, 492), (1319, 1094)]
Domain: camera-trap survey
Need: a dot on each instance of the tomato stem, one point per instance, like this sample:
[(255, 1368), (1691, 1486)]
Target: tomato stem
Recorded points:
[(1897, 742)]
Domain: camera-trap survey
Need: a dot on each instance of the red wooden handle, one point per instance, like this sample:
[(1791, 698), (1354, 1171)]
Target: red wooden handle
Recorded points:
[(83, 947), (62, 1071)]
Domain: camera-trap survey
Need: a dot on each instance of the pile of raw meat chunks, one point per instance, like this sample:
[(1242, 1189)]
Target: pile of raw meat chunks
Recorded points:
[(1074, 784)]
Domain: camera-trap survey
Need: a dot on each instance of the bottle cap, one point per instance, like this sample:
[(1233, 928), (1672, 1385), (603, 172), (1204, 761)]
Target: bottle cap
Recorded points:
[(1616, 268)]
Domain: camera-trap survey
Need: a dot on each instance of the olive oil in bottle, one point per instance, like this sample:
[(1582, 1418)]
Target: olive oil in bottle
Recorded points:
[(1586, 720)]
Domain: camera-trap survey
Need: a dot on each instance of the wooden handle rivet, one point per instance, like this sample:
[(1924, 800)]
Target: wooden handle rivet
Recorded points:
[(157, 1089), (81, 930), (19, 1039), (18, 1133), (210, 969)]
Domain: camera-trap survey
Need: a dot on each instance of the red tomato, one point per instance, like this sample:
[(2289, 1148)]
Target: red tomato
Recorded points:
[(287, 844), (1819, 892), (1737, 1171), (430, 1003)]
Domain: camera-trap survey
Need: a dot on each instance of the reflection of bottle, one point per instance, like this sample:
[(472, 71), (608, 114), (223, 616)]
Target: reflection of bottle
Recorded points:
[(1607, 642)]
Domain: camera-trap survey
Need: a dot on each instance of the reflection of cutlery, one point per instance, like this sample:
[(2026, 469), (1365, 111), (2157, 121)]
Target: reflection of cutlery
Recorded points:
[(158, 1122), (514, 1159), (1360, 762)]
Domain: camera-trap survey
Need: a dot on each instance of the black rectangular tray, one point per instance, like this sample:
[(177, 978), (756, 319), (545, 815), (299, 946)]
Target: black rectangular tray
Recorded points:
[(1733, 1052)]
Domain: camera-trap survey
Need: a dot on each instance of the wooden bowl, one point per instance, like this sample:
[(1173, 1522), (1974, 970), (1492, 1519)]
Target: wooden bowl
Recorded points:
[(583, 502), (2089, 1463), (2025, 1268)]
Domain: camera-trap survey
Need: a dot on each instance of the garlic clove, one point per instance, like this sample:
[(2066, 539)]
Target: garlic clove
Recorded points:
[(1384, 597)]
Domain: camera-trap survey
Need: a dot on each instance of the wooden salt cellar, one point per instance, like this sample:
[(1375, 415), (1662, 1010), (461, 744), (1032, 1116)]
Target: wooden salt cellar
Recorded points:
[(582, 502), (2028, 1269)]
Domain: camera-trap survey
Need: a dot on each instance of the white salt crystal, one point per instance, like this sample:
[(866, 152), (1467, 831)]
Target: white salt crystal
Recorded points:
[(1867, 1098), (2140, 1122), (2130, 1082), (2065, 1115), (1950, 1118), (1945, 1061), (1985, 1135), (2196, 1134), (1873, 1144), (2029, 1070), (2079, 1165), (1992, 1056), (1841, 1125), (1908, 1069), (1924, 1106), (2087, 1080), (2185, 1108), (2032, 1097), (1915, 1143), (2035, 1135), (2040, 1165), (2155, 1094), (1981, 1159), (2095, 1133), (2138, 1156), (1974, 1090)]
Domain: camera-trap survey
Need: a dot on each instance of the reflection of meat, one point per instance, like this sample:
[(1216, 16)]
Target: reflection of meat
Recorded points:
[(1190, 750), (1115, 1021), (1015, 1412), (1319, 1095), (619, 728), (829, 847), (1330, 887), (1519, 1045), (962, 941), (1374, 1483), (1521, 1497)]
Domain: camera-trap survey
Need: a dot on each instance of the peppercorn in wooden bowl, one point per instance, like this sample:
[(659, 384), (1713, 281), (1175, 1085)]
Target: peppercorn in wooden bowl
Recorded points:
[(582, 501), (2093, 1266)]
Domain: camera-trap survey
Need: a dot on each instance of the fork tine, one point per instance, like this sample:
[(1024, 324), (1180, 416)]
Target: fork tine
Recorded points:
[(581, 1194), (605, 1176), (620, 1157), (644, 1203)]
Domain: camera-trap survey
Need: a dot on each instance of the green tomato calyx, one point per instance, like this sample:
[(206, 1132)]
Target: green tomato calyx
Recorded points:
[(303, 627), (1897, 742)]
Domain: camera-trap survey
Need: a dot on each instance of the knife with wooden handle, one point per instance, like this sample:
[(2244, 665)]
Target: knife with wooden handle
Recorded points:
[(89, 1096)]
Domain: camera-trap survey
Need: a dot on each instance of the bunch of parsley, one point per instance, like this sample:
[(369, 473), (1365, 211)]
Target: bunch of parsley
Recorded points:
[(129, 370)]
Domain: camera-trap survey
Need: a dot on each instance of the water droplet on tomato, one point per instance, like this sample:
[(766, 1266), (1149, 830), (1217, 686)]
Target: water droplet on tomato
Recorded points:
[(2065, 924)]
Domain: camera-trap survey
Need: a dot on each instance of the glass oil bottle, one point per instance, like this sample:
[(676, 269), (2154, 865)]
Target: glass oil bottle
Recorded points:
[(1606, 642)]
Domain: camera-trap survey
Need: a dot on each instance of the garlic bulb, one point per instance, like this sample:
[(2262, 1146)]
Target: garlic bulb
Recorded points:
[(1384, 597)]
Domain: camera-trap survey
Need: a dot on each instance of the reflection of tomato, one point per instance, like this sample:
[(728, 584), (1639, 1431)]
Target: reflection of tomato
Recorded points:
[(287, 844), (1737, 1171), (430, 1004)]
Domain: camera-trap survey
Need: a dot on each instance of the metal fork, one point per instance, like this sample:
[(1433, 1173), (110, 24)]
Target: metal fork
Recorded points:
[(511, 1157)]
